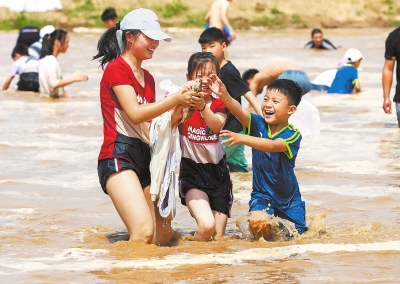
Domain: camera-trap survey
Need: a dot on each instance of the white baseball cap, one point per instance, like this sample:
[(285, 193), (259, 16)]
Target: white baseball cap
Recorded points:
[(352, 55), (46, 30), (146, 21)]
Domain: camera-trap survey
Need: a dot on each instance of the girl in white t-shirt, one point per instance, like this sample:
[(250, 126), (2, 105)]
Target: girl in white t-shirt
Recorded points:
[(50, 77), (26, 67)]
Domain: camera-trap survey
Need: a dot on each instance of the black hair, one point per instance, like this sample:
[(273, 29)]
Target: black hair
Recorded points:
[(109, 14), (49, 39), (315, 31), (108, 48), (211, 34), (289, 88), (249, 74), (199, 60), (21, 49)]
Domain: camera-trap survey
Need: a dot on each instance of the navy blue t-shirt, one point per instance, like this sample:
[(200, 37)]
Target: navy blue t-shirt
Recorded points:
[(392, 52), (344, 81)]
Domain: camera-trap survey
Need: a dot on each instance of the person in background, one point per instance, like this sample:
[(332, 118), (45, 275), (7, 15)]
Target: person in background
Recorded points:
[(218, 17), (50, 77), (28, 35), (35, 48), (318, 41), (392, 54), (27, 69), (109, 17), (212, 40), (347, 79)]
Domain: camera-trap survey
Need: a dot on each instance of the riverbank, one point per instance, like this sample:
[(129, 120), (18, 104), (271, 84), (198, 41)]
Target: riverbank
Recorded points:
[(242, 14)]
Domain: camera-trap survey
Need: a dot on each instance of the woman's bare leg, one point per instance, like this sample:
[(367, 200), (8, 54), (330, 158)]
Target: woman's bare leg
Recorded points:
[(220, 224), (127, 195)]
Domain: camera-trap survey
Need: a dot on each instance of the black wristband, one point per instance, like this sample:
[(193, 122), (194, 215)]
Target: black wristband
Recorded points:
[(203, 107)]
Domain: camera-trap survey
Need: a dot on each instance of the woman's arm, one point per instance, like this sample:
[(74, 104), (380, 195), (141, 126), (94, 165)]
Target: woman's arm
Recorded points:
[(140, 113), (65, 82)]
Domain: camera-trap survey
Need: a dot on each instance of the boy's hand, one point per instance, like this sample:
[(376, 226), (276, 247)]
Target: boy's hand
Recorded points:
[(233, 138), (216, 85), (177, 115)]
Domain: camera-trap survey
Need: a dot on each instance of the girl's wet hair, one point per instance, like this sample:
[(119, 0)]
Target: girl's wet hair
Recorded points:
[(108, 48), (289, 88), (198, 60), (49, 39)]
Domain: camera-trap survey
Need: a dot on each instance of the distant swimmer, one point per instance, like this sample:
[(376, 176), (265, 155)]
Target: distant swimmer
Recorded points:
[(109, 17), (218, 17), (318, 41), (26, 67), (257, 80)]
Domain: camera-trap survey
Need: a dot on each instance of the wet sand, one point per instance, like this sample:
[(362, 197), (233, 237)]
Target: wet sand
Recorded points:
[(57, 226)]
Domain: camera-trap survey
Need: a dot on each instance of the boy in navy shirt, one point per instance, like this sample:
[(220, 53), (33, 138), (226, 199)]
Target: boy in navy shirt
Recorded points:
[(275, 145), (346, 80)]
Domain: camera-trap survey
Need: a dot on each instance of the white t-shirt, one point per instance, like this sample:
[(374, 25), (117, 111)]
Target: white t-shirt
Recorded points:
[(24, 64), (49, 76)]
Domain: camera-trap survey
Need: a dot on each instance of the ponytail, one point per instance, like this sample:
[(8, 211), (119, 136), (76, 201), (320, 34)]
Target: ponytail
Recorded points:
[(108, 47), (49, 39)]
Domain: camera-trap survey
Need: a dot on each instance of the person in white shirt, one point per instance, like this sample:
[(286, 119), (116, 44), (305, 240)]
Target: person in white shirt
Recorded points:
[(26, 67), (50, 76)]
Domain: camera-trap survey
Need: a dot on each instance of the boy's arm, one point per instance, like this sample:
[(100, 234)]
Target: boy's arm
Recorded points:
[(251, 98), (262, 144), (232, 105), (357, 87), (7, 82)]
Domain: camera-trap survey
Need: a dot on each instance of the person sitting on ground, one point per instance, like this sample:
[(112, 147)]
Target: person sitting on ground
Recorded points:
[(218, 17), (257, 80), (35, 48), (347, 80), (318, 41), (109, 17), (27, 68), (275, 145)]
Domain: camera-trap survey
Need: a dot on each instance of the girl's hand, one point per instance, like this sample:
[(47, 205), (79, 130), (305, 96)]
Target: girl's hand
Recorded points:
[(216, 85), (81, 77), (233, 138), (198, 101)]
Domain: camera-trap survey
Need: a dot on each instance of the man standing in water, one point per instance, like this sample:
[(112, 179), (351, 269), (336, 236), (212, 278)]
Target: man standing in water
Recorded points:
[(218, 17), (392, 54)]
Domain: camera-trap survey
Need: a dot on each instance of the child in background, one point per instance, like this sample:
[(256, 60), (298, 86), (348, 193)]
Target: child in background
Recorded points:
[(35, 48), (27, 69), (275, 145), (346, 79), (205, 186), (50, 77), (109, 17), (127, 98), (212, 40)]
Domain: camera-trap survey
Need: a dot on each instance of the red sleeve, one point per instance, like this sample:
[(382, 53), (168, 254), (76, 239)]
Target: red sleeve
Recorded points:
[(118, 73), (218, 106)]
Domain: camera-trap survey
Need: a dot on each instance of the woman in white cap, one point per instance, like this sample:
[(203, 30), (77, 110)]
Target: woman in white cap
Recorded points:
[(346, 79), (127, 97)]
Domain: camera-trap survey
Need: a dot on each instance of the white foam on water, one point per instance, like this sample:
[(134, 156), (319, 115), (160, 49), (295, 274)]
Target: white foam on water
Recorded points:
[(353, 190), (77, 259), (20, 210)]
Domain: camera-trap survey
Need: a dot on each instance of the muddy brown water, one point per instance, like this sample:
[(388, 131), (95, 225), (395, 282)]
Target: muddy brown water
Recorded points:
[(56, 225)]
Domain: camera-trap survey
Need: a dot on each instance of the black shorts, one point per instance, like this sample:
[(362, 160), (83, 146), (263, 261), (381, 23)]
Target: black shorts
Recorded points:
[(28, 82), (107, 167), (220, 198)]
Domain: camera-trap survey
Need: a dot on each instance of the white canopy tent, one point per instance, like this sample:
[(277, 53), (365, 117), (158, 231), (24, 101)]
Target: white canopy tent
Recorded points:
[(31, 5)]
